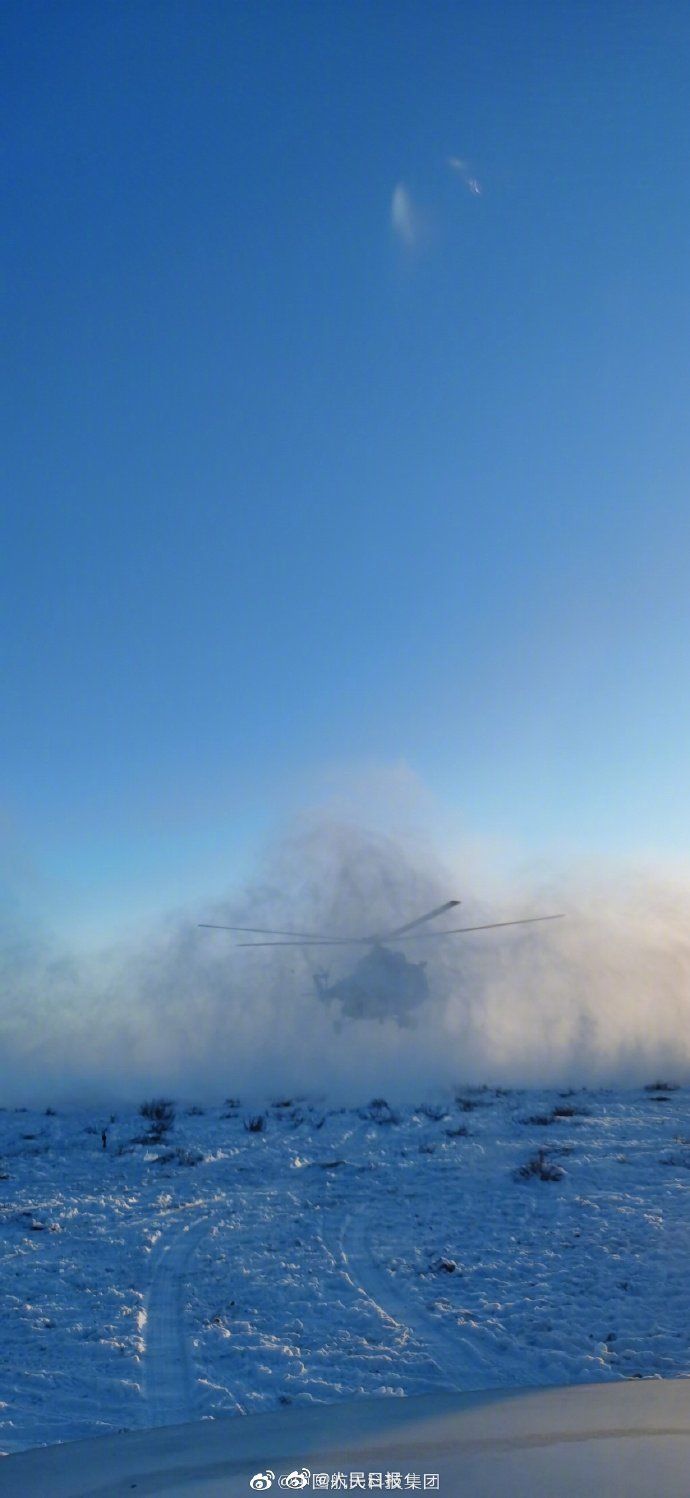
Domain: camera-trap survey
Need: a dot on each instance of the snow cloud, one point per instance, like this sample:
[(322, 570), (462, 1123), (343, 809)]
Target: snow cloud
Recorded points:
[(602, 996)]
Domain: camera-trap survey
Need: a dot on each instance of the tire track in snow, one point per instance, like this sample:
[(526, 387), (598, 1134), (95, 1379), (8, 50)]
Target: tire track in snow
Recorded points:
[(353, 1256), (168, 1379), (453, 1351), (168, 1375)]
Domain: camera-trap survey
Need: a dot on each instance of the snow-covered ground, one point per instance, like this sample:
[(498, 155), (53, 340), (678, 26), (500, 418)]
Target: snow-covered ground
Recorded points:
[(337, 1253)]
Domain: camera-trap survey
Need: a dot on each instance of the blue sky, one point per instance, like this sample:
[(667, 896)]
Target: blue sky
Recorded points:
[(319, 456)]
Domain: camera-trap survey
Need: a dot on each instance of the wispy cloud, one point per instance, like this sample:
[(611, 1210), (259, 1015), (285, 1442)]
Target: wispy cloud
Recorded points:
[(417, 227), (404, 216), (463, 170)]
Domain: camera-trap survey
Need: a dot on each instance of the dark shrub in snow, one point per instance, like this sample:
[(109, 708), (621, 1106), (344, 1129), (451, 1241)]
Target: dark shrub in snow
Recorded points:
[(255, 1124), (379, 1111), (679, 1159), (539, 1168), (180, 1156), (160, 1110)]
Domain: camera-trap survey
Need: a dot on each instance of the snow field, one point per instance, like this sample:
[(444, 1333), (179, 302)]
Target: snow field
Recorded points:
[(337, 1253)]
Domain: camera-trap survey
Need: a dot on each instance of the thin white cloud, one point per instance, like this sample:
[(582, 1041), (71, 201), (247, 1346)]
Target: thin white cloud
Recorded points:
[(404, 218), (463, 171)]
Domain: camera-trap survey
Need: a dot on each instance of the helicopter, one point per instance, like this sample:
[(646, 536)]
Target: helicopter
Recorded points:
[(384, 984)]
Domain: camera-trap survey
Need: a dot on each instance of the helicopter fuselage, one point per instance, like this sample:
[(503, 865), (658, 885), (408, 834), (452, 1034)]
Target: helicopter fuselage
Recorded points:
[(383, 985)]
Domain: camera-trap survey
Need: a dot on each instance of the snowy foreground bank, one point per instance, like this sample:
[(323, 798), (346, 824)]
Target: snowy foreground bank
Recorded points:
[(627, 1440), (484, 1242)]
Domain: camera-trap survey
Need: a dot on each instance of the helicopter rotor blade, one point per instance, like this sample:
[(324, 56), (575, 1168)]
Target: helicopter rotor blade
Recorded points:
[(400, 930), (403, 933), (529, 920), (266, 931), (326, 941)]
